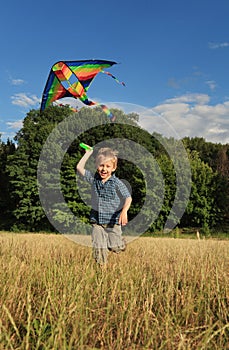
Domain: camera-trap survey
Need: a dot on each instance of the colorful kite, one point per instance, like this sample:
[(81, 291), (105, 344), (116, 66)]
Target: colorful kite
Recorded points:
[(73, 79)]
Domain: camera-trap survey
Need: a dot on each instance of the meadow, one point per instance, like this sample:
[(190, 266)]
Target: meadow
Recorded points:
[(162, 293)]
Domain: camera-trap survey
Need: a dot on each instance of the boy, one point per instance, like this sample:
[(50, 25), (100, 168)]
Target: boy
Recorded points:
[(111, 201)]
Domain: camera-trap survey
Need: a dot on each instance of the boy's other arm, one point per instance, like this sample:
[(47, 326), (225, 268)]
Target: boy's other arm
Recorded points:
[(81, 165), (123, 219)]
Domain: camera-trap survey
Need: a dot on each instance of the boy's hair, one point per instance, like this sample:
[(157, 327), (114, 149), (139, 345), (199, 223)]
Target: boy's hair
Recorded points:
[(107, 154)]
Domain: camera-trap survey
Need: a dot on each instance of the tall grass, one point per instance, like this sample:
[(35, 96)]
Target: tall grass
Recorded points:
[(159, 294)]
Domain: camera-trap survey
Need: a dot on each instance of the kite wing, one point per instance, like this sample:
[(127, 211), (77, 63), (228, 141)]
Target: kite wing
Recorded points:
[(72, 79)]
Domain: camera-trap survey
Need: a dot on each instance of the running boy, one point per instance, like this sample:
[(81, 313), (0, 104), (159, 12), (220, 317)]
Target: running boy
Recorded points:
[(111, 201)]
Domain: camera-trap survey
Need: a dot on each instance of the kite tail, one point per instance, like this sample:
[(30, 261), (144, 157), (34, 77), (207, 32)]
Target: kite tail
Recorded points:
[(63, 105), (108, 112), (112, 76), (104, 108)]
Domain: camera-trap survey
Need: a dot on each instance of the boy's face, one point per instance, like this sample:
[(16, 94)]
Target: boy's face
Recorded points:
[(105, 169)]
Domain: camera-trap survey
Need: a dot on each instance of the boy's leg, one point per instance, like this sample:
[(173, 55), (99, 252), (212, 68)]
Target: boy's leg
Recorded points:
[(116, 243), (99, 244)]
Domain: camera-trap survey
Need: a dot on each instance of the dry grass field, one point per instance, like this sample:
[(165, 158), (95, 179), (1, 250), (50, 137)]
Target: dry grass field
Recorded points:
[(162, 293)]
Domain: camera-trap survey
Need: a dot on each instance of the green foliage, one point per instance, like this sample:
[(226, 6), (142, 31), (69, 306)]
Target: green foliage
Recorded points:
[(22, 168), (6, 206), (57, 133), (203, 206), (205, 230)]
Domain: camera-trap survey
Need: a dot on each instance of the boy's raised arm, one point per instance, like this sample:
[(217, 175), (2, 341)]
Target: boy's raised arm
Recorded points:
[(81, 165)]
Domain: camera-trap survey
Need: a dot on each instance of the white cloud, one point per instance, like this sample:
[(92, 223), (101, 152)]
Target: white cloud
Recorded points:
[(15, 125), (190, 98), (17, 81), (219, 45), (189, 115), (212, 84), (196, 117), (216, 129), (24, 100)]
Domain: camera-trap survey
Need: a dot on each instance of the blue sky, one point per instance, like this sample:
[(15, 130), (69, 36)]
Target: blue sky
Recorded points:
[(172, 55)]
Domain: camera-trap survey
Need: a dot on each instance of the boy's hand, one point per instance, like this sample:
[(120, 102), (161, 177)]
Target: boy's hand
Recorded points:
[(123, 219), (89, 150)]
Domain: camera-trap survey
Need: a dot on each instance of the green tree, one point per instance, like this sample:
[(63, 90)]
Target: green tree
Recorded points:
[(6, 206), (22, 168), (217, 157), (202, 207)]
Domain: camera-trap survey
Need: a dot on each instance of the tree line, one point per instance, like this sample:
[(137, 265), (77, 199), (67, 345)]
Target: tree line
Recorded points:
[(20, 203)]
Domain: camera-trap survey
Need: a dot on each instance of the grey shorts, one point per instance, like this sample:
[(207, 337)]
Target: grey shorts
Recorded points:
[(108, 237)]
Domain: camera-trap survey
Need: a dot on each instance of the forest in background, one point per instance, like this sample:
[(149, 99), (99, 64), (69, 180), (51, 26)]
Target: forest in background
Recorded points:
[(20, 206)]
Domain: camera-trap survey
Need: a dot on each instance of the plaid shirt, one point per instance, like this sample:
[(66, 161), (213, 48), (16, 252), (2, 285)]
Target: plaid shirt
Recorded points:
[(107, 198)]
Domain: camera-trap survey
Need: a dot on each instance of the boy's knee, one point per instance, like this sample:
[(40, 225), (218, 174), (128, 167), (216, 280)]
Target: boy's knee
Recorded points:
[(119, 249)]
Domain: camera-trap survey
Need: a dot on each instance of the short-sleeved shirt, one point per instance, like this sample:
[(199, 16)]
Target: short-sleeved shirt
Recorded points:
[(107, 198)]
